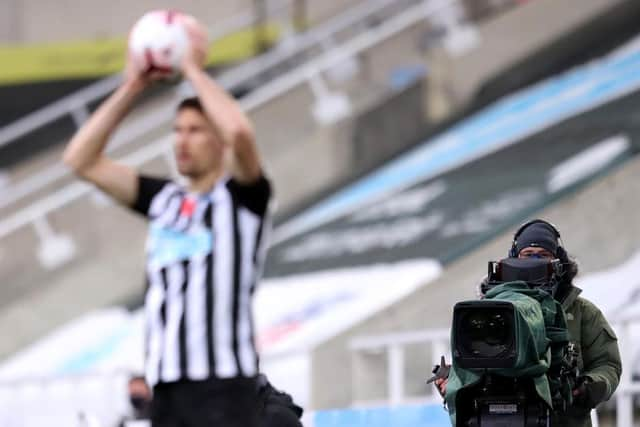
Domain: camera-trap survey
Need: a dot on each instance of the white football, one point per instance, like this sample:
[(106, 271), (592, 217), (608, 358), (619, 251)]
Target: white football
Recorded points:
[(158, 41)]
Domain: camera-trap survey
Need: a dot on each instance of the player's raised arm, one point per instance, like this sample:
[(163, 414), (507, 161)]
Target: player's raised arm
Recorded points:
[(230, 123), (85, 152)]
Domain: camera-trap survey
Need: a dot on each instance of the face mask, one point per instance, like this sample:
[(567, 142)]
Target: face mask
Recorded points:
[(138, 402)]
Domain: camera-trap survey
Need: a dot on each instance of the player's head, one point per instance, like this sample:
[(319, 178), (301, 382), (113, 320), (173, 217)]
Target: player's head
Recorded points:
[(197, 148)]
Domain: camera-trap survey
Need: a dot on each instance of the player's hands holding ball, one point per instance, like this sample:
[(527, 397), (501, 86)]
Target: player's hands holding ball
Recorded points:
[(163, 43), (195, 55)]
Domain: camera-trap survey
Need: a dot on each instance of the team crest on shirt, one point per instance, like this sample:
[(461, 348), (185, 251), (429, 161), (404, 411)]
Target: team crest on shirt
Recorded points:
[(188, 207), (167, 246)]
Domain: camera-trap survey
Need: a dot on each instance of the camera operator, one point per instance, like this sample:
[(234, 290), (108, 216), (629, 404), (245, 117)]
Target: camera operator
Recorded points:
[(598, 356)]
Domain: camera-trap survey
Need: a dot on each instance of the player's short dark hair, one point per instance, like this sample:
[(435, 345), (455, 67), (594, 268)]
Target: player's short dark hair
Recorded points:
[(192, 103)]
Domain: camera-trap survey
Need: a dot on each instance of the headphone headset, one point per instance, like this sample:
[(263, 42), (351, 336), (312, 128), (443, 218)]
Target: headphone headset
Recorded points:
[(560, 252)]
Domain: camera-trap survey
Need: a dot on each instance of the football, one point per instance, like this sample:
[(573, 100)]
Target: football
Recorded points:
[(158, 41)]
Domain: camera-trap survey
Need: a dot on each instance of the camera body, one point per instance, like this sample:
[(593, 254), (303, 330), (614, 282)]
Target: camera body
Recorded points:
[(512, 362), (538, 273), (498, 401)]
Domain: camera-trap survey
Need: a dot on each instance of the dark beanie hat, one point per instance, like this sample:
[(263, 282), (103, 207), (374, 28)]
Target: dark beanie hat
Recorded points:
[(539, 235)]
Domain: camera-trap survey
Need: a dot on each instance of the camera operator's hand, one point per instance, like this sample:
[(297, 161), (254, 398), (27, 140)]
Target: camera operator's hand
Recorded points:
[(588, 393), (440, 376), (441, 384)]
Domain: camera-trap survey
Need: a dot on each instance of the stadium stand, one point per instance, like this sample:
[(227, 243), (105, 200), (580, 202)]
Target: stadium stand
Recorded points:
[(79, 262), (370, 273), (467, 225)]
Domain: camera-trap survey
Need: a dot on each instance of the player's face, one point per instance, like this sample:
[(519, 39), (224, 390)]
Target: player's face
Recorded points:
[(197, 149)]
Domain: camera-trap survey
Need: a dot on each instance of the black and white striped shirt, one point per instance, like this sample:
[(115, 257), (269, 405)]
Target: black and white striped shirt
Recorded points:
[(204, 257)]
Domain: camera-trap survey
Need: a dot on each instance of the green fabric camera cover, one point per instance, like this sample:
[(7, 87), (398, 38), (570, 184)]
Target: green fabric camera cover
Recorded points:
[(541, 333)]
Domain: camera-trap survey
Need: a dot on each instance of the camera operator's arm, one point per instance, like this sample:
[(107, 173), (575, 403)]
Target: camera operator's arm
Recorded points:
[(601, 357)]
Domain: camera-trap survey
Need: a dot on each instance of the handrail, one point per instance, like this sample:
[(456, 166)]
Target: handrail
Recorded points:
[(57, 109), (73, 191), (394, 344), (230, 80), (364, 41)]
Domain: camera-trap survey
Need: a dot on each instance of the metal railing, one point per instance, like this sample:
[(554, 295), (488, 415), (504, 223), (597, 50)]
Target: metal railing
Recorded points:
[(628, 387), (319, 37), (36, 212), (394, 344)]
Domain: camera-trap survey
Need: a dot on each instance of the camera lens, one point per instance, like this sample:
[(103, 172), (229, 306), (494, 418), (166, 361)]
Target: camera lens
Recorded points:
[(486, 333)]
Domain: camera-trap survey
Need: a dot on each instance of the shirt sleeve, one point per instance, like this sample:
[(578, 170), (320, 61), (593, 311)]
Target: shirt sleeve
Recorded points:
[(148, 187), (601, 354), (254, 196)]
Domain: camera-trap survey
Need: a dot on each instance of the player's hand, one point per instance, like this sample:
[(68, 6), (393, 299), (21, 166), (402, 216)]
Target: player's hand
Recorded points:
[(196, 54), (137, 79)]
